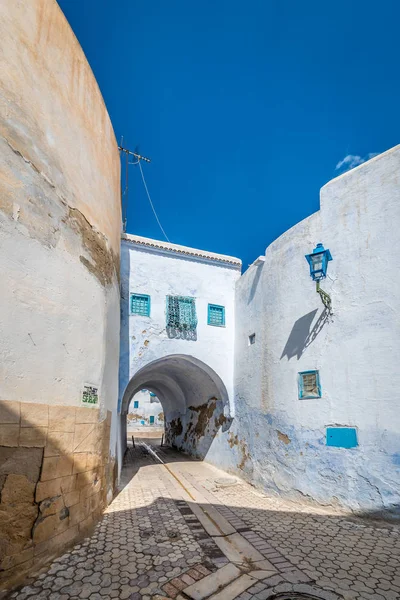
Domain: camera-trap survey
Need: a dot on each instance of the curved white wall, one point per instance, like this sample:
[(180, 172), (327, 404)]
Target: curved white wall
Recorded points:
[(278, 440), (59, 303)]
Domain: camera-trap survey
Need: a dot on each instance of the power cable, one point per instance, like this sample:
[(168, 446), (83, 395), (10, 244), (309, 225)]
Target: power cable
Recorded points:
[(151, 203)]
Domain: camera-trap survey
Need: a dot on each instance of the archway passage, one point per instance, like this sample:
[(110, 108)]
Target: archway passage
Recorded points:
[(194, 399)]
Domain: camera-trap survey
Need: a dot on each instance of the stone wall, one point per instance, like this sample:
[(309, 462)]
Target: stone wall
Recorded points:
[(55, 473)]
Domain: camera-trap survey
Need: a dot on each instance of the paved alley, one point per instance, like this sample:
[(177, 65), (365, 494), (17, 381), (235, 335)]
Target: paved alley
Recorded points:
[(182, 529)]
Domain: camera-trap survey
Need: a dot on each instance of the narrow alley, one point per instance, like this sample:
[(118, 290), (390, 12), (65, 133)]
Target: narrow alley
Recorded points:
[(182, 529)]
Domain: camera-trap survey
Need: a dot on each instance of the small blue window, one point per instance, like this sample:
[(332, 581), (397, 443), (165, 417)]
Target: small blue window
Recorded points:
[(140, 305), (151, 420), (341, 437), (136, 404), (216, 315), (309, 385)]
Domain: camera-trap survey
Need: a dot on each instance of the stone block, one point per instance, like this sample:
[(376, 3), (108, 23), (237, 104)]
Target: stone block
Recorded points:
[(55, 487), (80, 462), (59, 442), (34, 415), (62, 418), (13, 575), (94, 502), (16, 522), (68, 484), (84, 438), (17, 489), (86, 415), (21, 461), (56, 466), (86, 478), (92, 488), (9, 434), (87, 523), (16, 559), (213, 582), (48, 527), (79, 512), (71, 498), (10, 412), (48, 489), (94, 461), (56, 544), (33, 437)]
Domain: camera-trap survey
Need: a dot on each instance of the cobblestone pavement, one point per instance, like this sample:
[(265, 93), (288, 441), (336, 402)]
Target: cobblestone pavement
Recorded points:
[(185, 530)]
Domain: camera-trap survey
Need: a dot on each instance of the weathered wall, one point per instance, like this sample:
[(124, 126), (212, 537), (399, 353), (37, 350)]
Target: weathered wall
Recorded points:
[(59, 222), (159, 272), (54, 473), (139, 418), (279, 441)]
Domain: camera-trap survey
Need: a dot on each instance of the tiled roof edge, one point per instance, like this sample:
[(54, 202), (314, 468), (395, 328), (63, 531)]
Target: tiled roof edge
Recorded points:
[(175, 248)]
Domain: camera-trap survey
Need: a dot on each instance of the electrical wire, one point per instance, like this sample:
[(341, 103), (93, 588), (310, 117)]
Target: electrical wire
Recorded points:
[(151, 203)]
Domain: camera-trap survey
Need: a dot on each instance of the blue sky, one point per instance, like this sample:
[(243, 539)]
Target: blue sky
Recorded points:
[(245, 108)]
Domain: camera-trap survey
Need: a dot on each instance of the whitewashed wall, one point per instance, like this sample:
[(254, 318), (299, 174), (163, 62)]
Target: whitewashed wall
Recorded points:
[(160, 273), (60, 216), (279, 441), (149, 406)]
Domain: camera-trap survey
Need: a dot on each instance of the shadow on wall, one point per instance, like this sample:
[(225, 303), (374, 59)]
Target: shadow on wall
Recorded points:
[(256, 279), (55, 475), (301, 336)]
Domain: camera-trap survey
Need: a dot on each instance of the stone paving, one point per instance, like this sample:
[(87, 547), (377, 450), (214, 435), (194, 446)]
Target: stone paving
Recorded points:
[(186, 530)]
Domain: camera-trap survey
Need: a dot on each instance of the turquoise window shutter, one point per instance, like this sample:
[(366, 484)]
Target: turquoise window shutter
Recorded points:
[(140, 305), (216, 315)]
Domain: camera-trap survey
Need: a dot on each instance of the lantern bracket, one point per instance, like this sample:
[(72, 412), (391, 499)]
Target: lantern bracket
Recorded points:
[(325, 298)]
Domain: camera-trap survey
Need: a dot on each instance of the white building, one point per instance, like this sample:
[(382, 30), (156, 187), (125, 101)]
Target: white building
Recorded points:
[(288, 395), (145, 410), (177, 337)]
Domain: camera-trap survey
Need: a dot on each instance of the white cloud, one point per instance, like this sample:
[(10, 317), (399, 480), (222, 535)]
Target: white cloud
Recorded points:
[(352, 160)]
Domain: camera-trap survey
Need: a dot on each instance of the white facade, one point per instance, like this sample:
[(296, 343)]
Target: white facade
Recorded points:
[(182, 372), (281, 441), (145, 410)]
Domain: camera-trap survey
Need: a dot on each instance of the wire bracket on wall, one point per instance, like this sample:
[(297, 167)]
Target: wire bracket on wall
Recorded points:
[(325, 298)]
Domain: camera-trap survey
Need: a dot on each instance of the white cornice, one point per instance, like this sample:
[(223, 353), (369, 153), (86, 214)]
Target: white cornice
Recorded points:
[(176, 249)]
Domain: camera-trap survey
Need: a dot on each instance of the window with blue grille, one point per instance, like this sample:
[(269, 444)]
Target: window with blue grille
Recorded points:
[(140, 305), (216, 315), (181, 313), (309, 385), (136, 404), (151, 420)]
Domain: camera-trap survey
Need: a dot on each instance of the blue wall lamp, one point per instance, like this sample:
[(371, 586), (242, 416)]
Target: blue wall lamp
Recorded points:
[(318, 261)]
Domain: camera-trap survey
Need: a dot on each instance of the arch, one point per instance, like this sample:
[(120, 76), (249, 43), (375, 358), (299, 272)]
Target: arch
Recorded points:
[(193, 396)]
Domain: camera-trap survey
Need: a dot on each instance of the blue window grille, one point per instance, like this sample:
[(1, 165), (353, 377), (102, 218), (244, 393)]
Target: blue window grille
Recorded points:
[(216, 315), (140, 305), (309, 385), (136, 404), (181, 313), (151, 420)]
